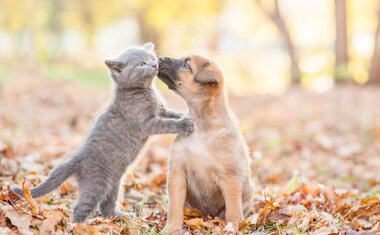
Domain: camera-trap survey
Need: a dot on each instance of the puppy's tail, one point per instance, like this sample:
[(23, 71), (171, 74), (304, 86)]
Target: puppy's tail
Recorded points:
[(55, 179)]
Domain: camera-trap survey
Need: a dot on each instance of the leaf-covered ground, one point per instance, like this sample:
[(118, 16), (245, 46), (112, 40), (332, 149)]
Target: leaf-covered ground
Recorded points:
[(315, 162)]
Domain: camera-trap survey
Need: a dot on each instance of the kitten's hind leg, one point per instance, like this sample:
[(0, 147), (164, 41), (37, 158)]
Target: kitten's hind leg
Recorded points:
[(91, 194), (108, 204)]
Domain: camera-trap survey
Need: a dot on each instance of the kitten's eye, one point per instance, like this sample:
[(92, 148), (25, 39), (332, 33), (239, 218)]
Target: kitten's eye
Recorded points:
[(186, 65), (142, 63)]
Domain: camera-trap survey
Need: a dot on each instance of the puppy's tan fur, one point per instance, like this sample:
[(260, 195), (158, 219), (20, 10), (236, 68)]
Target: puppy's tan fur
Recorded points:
[(209, 169)]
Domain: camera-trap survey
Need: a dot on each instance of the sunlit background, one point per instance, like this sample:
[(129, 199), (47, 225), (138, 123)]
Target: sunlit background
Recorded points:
[(301, 78), (264, 46)]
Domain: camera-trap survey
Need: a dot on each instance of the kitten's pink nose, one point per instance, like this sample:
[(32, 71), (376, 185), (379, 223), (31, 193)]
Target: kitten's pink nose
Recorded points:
[(155, 66)]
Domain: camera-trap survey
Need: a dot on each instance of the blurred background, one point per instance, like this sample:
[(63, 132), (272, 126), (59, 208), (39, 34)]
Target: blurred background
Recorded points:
[(301, 77), (264, 46)]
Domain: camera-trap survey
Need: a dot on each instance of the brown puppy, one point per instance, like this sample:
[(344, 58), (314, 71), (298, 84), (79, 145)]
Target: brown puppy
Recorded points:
[(210, 168)]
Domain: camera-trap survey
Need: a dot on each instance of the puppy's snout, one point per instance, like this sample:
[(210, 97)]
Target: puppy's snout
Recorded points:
[(162, 59)]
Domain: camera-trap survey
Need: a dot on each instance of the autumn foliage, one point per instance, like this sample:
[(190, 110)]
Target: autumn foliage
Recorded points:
[(315, 162)]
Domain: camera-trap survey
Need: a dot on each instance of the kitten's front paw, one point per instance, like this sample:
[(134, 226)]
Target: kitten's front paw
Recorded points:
[(186, 126), (176, 115)]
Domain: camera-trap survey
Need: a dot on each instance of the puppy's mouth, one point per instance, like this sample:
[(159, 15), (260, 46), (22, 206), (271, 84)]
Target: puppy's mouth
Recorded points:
[(164, 75)]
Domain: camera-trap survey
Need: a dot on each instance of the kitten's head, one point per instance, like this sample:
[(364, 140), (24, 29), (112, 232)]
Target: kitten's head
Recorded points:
[(135, 68)]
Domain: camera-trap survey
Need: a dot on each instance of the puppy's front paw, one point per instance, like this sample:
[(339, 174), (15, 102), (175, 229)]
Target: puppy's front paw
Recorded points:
[(175, 232), (186, 126)]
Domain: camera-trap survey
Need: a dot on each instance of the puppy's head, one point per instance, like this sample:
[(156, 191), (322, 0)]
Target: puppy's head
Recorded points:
[(191, 77)]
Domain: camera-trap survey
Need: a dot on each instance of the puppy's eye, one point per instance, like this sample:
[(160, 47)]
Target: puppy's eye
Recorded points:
[(142, 64), (186, 65)]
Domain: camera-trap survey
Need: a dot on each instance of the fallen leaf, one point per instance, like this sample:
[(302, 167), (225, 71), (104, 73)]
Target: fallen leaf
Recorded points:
[(2, 219), (195, 223), (13, 197), (281, 215), (4, 195), (85, 229), (376, 229), (367, 208), (191, 213), (132, 227), (263, 218), (21, 220), (27, 195), (251, 220), (52, 219), (360, 223)]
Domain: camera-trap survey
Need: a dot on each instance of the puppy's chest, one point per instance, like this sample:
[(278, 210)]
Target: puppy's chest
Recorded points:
[(193, 151)]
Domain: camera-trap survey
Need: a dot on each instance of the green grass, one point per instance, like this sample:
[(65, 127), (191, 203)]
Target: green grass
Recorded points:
[(5, 73)]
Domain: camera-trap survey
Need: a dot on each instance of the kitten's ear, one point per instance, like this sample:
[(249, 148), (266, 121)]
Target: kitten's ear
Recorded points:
[(148, 46), (115, 65)]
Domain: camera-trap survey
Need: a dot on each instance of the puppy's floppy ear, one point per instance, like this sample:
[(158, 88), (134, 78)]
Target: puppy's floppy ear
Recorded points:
[(115, 65), (148, 46), (205, 77)]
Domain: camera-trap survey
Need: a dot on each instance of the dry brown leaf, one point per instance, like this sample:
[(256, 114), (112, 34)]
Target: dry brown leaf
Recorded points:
[(360, 223), (13, 197), (52, 219), (28, 197), (343, 209), (85, 230), (214, 223), (376, 228), (2, 219), (375, 218), (191, 213), (133, 227), (3, 196), (281, 215), (365, 209), (66, 188), (21, 220), (44, 199), (264, 213), (195, 223), (251, 220), (369, 201)]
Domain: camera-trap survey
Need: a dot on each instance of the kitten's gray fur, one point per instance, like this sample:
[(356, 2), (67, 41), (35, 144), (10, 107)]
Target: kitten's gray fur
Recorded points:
[(118, 135)]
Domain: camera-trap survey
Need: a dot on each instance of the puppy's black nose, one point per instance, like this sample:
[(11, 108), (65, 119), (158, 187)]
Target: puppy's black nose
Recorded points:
[(162, 59)]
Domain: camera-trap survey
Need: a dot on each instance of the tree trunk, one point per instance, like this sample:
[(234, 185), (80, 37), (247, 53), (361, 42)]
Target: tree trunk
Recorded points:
[(276, 17), (341, 56), (147, 32), (374, 72)]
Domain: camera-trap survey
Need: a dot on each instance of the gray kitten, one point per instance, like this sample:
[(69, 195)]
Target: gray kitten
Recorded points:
[(118, 135)]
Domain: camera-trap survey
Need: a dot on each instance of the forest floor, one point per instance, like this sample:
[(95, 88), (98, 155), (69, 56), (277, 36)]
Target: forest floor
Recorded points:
[(315, 162)]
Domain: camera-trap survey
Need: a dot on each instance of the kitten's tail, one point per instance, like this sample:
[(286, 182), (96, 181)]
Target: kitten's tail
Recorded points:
[(55, 179)]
